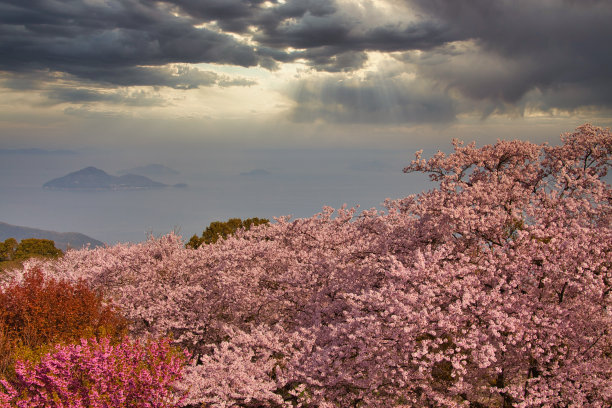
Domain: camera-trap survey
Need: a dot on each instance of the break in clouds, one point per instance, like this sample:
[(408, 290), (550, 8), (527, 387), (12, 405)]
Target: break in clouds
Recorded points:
[(417, 61)]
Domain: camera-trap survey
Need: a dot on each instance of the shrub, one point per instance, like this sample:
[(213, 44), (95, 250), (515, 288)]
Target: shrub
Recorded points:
[(39, 312), (98, 374)]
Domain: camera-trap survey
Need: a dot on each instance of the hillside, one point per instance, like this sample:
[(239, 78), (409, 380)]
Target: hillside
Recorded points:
[(62, 240)]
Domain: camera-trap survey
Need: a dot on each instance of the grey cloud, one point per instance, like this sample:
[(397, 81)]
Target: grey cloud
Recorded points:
[(519, 50), (25, 82), (83, 39), (387, 100), (224, 82), (298, 8), (307, 32), (552, 48), (102, 84), (571, 98), (239, 15), (87, 96), (218, 9), (342, 33), (478, 75), (520, 27), (176, 76), (421, 36), (327, 59)]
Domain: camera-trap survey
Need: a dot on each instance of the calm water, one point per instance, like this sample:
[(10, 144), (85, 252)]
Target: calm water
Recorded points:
[(120, 216)]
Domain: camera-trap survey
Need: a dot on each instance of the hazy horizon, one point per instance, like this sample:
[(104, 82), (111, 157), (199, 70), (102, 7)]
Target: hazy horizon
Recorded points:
[(330, 97), (295, 183)]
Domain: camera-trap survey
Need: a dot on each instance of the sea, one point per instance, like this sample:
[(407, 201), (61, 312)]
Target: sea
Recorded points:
[(264, 188)]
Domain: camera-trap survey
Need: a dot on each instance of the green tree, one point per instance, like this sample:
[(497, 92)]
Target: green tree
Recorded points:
[(7, 249), (218, 229), (12, 254), (32, 247)]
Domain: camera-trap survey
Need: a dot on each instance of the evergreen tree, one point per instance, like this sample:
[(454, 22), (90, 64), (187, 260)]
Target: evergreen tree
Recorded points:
[(218, 229)]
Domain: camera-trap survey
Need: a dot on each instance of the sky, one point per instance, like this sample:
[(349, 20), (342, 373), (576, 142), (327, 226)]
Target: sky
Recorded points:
[(238, 84)]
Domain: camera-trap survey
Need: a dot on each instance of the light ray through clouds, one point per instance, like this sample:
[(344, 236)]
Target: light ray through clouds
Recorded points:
[(190, 81), (373, 62)]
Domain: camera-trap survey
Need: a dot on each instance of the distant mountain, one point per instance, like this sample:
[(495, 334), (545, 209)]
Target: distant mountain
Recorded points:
[(62, 240), (151, 170), (91, 178), (255, 172)]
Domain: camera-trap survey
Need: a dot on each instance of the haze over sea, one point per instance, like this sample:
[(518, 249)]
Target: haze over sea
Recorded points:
[(294, 182), (330, 97)]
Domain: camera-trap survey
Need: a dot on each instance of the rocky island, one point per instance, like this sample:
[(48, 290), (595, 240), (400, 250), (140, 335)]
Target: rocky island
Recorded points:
[(91, 178)]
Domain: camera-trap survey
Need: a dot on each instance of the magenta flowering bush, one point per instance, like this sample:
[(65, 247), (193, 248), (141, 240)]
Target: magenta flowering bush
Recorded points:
[(494, 289), (98, 374)]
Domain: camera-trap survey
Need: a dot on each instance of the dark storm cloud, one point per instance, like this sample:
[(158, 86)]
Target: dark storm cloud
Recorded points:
[(388, 100), (522, 46), (87, 40), (331, 60), (502, 56), (238, 15), (491, 56), (331, 40)]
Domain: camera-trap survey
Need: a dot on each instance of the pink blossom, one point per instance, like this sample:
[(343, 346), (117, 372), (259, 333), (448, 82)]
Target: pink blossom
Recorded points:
[(494, 289), (98, 374)]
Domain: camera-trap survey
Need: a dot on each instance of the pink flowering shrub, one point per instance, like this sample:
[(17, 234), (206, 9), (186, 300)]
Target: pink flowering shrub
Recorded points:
[(98, 374), (39, 311), (494, 289)]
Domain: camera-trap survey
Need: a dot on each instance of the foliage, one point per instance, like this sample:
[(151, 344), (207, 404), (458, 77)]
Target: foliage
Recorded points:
[(217, 230), (98, 374), (30, 247), (12, 254), (493, 289), (7, 249), (40, 311)]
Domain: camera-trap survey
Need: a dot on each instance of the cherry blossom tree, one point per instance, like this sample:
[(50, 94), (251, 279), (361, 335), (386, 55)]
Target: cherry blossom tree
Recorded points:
[(493, 289)]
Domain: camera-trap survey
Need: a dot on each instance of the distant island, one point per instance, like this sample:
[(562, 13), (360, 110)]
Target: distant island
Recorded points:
[(150, 170), (255, 172), (63, 240), (91, 178)]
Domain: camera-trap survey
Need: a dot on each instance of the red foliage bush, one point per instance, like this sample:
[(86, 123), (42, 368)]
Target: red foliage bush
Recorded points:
[(40, 311)]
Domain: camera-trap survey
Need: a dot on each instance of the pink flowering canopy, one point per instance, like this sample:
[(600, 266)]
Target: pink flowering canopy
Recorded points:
[(493, 289)]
